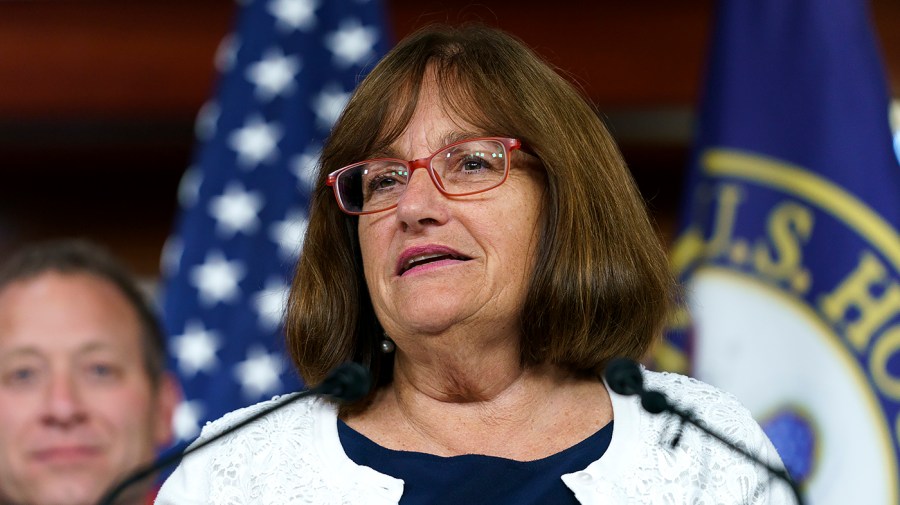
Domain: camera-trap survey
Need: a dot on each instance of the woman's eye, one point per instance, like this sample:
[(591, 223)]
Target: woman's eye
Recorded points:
[(383, 182), (473, 163)]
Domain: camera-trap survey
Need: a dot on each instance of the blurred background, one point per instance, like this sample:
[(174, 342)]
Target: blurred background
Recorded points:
[(98, 99), (99, 103)]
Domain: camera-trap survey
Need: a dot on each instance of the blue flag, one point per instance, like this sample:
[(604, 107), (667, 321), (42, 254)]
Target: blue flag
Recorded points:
[(286, 73), (789, 248)]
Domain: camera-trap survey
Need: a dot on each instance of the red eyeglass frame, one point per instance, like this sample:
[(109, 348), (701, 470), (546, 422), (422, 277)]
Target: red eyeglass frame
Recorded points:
[(510, 144)]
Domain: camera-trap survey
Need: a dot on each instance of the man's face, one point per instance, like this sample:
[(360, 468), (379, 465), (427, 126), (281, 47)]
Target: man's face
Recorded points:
[(77, 407)]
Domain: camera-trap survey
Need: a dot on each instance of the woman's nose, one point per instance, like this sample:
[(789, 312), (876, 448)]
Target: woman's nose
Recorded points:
[(421, 202)]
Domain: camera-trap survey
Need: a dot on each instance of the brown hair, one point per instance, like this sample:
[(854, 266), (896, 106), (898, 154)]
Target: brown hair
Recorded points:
[(72, 256), (601, 286)]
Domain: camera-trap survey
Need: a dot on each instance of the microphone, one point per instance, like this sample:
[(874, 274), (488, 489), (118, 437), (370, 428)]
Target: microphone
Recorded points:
[(625, 377), (347, 383)]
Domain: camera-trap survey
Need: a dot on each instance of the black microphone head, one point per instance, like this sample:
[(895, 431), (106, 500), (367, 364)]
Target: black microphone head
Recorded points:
[(655, 402), (624, 376), (348, 382)]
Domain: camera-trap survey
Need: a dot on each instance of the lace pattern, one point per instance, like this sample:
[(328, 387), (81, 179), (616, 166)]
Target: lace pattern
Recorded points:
[(294, 456), (699, 470)]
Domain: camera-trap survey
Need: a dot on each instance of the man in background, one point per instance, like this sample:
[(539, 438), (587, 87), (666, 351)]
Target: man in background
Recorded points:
[(84, 395)]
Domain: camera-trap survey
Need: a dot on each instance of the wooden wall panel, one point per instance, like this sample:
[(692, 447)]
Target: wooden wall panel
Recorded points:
[(624, 54), (108, 59), (98, 97), (150, 59), (886, 15)]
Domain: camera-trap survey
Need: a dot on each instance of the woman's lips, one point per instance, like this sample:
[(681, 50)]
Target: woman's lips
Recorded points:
[(428, 257)]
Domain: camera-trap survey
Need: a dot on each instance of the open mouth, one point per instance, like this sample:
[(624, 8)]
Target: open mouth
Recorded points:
[(412, 261)]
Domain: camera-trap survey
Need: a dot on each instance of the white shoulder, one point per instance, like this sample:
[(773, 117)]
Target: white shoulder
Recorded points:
[(296, 410), (727, 474), (252, 459), (717, 409), (692, 394)]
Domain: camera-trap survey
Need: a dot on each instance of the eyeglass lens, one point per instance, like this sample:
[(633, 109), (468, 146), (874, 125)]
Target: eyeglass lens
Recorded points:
[(466, 168)]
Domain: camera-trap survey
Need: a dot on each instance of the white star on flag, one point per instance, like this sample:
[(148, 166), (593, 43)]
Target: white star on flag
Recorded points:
[(270, 303), (274, 74), (303, 166), (226, 53), (255, 142), (352, 44), (207, 120), (186, 420), (189, 187), (170, 259), (217, 279), (294, 14), (236, 210), (258, 374), (288, 234), (195, 349), (329, 104)]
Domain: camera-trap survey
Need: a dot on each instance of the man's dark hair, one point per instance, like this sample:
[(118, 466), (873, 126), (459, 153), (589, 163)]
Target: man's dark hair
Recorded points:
[(75, 256)]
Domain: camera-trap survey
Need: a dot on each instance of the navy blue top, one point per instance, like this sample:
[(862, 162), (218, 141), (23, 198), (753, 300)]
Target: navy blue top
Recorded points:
[(474, 478)]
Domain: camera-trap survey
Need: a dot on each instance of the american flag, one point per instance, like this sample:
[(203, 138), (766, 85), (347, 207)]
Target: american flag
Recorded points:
[(286, 73)]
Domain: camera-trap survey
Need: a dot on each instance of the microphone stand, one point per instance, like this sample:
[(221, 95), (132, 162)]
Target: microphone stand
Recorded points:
[(348, 383), (624, 376), (656, 402)]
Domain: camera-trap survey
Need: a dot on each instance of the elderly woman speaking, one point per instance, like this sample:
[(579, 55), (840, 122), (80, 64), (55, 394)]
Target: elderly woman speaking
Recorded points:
[(476, 241)]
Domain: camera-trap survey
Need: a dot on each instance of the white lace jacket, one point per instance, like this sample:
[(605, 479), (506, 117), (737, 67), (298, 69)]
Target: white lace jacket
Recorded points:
[(294, 456)]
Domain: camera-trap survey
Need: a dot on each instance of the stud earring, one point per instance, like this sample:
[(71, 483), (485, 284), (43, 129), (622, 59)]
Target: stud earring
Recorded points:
[(387, 345)]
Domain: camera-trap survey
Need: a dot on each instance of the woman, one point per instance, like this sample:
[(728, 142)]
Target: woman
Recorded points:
[(485, 292)]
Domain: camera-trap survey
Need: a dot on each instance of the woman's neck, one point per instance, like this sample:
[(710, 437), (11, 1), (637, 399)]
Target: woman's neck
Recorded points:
[(458, 374), (483, 406)]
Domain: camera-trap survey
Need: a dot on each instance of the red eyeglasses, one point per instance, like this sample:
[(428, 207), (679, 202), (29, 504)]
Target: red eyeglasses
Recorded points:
[(462, 168)]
